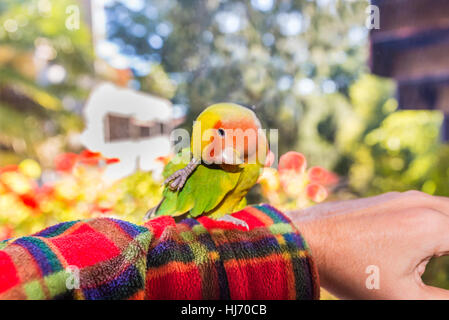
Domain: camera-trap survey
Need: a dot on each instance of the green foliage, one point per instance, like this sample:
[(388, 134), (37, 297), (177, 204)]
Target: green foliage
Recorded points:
[(258, 63), (404, 147), (377, 148), (77, 192), (33, 118), (437, 272), (393, 150)]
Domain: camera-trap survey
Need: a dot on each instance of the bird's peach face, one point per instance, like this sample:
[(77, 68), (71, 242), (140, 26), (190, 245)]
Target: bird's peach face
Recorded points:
[(234, 142)]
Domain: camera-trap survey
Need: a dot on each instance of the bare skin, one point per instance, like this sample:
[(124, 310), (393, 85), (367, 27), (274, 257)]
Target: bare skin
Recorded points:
[(396, 232)]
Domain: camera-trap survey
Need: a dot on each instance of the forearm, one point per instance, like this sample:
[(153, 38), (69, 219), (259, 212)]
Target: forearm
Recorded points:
[(377, 248), (330, 245)]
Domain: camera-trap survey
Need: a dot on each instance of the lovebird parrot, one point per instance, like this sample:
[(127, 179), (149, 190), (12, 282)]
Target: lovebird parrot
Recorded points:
[(227, 153)]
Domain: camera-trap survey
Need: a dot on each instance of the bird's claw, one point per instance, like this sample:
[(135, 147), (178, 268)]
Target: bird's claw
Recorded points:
[(234, 220), (177, 180)]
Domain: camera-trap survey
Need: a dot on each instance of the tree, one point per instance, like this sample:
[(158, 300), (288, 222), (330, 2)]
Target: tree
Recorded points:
[(266, 54), (43, 65)]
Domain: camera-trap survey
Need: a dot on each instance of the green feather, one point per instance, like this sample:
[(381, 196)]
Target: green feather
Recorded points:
[(204, 189)]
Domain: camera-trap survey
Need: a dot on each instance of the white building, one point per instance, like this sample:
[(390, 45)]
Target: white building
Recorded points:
[(128, 125)]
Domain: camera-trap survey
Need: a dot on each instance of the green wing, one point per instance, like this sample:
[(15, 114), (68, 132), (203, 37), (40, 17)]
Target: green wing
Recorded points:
[(203, 191)]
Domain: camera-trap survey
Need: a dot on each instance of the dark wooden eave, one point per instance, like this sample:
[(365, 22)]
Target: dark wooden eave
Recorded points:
[(408, 26)]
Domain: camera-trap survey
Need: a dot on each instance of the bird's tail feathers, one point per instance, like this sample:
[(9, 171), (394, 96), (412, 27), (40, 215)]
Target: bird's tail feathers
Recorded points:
[(150, 213)]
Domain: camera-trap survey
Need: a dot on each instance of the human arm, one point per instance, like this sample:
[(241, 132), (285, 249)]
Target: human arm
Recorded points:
[(397, 233)]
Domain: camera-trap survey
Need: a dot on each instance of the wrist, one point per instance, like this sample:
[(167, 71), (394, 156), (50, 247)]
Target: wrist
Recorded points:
[(315, 232)]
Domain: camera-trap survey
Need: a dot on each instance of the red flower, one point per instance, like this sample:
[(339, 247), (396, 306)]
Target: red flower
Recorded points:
[(322, 176), (316, 192), (45, 191), (292, 160), (66, 161), (30, 201), (88, 157), (6, 232), (9, 168), (112, 160), (90, 154), (102, 210), (164, 159)]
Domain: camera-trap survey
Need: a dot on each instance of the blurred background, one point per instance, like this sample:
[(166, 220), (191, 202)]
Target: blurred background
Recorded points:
[(90, 91)]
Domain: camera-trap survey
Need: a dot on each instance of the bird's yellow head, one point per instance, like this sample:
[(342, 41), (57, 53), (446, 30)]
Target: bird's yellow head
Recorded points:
[(228, 134)]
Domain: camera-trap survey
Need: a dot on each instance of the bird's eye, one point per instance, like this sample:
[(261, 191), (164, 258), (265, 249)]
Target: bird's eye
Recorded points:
[(221, 132)]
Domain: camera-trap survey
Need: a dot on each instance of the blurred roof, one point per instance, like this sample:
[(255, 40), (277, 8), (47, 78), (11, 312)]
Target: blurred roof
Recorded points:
[(411, 46), (412, 42)]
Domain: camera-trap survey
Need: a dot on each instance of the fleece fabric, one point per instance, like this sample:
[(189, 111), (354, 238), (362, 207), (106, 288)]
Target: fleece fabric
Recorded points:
[(105, 258)]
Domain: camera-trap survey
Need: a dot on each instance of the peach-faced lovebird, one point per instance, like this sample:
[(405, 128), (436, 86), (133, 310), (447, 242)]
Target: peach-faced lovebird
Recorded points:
[(226, 155)]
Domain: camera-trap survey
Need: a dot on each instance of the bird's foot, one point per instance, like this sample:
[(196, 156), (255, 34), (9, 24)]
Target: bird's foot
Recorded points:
[(234, 220), (177, 180)]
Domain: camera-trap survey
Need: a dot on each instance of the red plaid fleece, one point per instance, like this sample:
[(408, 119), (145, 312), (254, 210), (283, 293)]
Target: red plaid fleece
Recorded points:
[(194, 259)]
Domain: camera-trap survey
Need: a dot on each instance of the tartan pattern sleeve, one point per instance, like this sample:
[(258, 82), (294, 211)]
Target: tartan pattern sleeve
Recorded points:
[(106, 258)]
